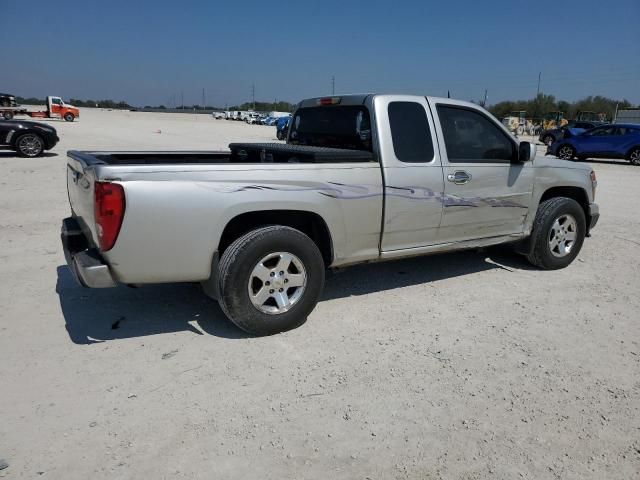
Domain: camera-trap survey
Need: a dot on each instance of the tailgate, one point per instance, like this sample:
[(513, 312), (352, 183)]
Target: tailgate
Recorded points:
[(80, 185)]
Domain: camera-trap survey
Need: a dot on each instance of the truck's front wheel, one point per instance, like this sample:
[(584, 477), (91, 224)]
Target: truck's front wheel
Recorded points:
[(69, 117), (270, 279), (558, 233)]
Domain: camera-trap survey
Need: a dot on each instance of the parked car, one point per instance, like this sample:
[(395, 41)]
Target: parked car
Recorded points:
[(254, 118), (28, 139), (554, 134), (436, 173), (621, 140), (270, 121), (282, 127), (219, 115), (7, 100)]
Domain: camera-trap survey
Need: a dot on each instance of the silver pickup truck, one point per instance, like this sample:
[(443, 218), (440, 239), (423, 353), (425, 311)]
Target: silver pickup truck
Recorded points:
[(361, 178)]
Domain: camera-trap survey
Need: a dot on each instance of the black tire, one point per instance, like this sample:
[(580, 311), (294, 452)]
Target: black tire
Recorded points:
[(5, 102), (548, 139), (235, 271), (7, 115), (548, 212), (566, 152), (634, 156), (29, 145), (279, 135), (69, 117)]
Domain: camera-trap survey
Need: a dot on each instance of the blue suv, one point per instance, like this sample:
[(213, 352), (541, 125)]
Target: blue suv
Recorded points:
[(282, 127), (607, 141)]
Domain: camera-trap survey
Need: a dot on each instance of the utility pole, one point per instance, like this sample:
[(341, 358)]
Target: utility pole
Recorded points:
[(333, 85), (253, 96), (182, 97), (538, 92), (204, 101), (484, 102)]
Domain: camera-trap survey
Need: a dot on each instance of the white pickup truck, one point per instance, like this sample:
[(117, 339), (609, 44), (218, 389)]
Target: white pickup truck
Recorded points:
[(362, 178)]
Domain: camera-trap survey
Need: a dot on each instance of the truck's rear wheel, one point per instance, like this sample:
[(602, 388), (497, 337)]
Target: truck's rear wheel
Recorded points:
[(29, 145), (270, 279), (558, 233), (69, 117)]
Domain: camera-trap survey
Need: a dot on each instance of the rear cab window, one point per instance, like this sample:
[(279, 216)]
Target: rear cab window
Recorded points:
[(333, 126), (410, 132)]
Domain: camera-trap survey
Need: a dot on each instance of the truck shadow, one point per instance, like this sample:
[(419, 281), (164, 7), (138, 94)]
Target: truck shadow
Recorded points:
[(98, 315), (371, 278), (13, 154), (95, 316)]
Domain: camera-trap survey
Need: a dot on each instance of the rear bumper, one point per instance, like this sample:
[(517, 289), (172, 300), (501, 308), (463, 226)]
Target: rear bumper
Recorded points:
[(86, 264), (594, 215)]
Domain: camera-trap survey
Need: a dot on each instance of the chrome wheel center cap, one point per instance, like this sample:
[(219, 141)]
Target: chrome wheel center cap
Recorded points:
[(278, 281)]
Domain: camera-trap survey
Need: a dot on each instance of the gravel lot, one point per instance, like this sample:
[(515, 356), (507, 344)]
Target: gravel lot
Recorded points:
[(462, 366)]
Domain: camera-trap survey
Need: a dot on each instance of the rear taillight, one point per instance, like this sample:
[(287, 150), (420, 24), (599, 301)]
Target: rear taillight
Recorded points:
[(108, 211)]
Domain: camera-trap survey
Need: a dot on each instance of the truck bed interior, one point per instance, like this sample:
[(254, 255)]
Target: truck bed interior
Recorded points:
[(239, 153)]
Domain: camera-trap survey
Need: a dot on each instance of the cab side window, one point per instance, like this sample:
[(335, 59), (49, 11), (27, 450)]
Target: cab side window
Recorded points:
[(470, 137), (602, 131)]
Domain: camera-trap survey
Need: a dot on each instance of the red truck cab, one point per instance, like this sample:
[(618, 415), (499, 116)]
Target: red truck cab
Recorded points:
[(56, 108)]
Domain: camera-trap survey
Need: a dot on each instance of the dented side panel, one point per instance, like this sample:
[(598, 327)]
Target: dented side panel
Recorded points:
[(173, 224)]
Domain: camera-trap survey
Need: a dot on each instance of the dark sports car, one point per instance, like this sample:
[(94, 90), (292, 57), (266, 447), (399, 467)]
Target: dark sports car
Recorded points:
[(7, 100), (29, 139)]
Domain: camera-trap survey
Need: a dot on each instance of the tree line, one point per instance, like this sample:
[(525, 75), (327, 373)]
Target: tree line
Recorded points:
[(542, 104)]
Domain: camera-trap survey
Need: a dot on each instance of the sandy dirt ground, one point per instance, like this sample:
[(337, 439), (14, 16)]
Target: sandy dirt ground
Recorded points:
[(462, 366)]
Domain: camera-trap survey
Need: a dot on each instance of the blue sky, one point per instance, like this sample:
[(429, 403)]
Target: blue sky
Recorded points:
[(147, 52)]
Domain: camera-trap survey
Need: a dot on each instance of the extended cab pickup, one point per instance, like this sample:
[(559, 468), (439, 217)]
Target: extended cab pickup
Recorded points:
[(362, 178)]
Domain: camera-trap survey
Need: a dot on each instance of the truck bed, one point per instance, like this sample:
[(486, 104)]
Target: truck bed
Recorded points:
[(239, 153)]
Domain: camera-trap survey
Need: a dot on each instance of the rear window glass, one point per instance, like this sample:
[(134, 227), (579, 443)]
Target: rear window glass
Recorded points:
[(347, 126), (410, 132)]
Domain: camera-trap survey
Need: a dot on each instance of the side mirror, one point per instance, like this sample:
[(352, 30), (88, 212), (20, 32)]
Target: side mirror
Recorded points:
[(526, 152)]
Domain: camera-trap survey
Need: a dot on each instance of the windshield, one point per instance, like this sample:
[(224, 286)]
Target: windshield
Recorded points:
[(347, 127)]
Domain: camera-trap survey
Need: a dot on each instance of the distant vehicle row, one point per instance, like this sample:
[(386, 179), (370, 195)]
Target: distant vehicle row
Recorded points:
[(249, 116)]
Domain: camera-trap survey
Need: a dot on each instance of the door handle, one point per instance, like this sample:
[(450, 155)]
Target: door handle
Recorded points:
[(459, 177)]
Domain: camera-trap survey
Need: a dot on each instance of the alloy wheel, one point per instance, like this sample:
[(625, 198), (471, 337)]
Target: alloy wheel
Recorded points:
[(562, 235), (277, 283), (30, 145)]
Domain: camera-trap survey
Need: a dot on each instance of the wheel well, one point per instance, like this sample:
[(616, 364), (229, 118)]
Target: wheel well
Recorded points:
[(309, 223), (631, 150), (576, 193)]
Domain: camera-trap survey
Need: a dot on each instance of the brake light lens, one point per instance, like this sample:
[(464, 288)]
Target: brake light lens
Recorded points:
[(594, 183), (329, 101), (109, 205)]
